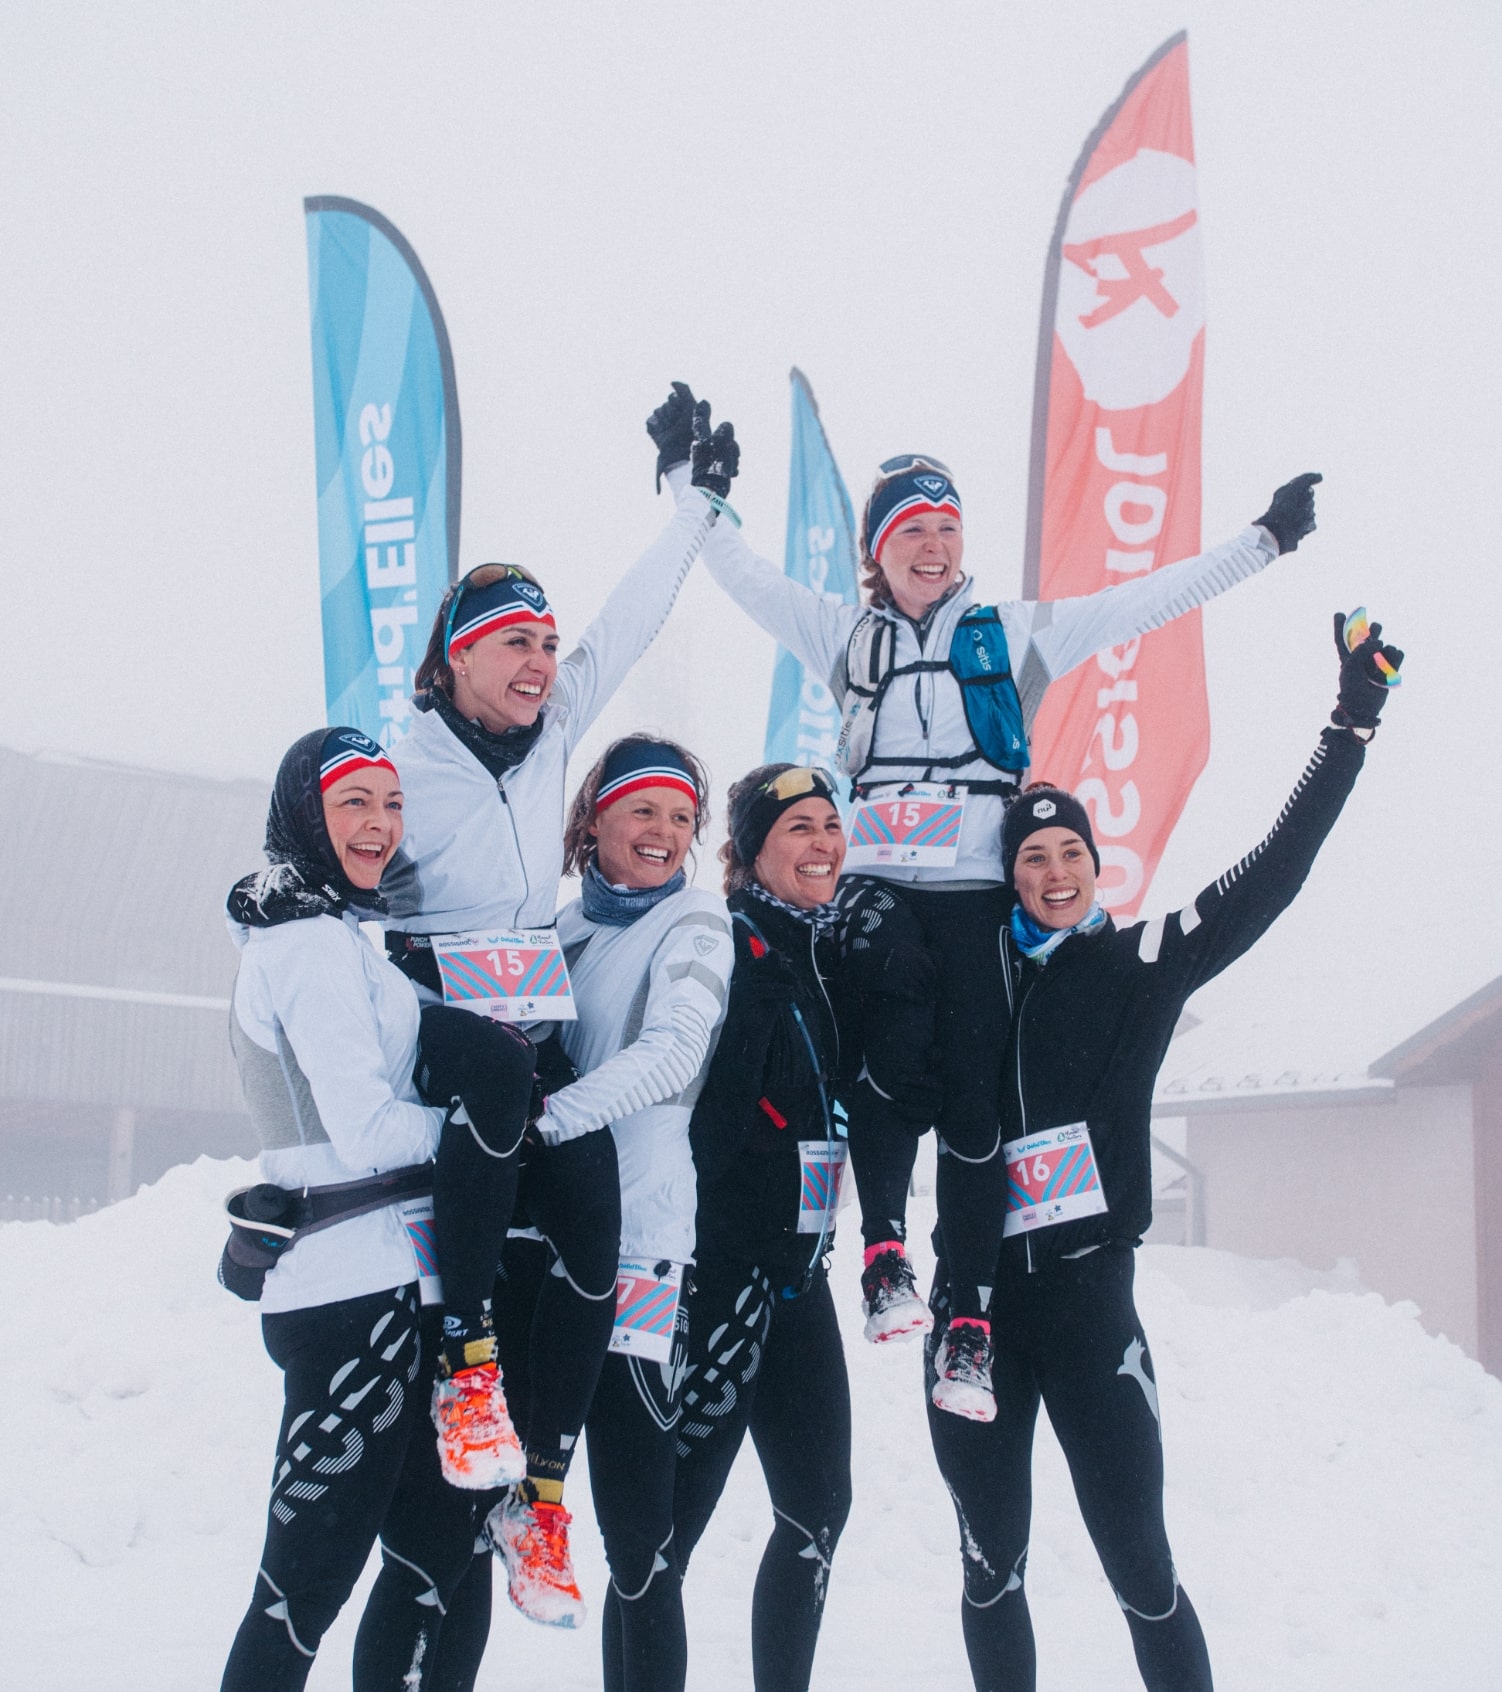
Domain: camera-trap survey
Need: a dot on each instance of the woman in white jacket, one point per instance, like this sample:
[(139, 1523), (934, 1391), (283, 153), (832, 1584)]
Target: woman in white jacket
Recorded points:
[(498, 714), (326, 1035), (937, 694), (650, 960)]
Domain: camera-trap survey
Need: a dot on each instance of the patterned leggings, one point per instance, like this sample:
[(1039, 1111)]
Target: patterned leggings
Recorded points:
[(356, 1460)]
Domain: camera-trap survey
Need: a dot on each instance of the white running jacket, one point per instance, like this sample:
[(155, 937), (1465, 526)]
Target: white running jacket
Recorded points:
[(924, 715), (324, 1030), (651, 997), (486, 853)]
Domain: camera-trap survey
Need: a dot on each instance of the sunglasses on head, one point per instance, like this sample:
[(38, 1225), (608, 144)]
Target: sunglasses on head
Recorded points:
[(801, 779), (906, 462), (482, 576)]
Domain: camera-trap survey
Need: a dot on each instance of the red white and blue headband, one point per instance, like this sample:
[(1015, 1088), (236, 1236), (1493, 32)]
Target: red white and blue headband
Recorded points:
[(479, 610), (346, 750), (636, 765), (912, 485)]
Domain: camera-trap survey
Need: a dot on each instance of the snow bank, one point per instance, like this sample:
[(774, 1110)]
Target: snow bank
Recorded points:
[(1335, 1486)]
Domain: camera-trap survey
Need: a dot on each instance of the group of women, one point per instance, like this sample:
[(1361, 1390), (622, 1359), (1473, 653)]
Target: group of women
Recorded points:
[(619, 1224)]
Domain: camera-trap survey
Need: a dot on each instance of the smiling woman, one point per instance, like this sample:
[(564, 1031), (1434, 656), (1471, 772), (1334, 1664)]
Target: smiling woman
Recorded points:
[(764, 1350), (389, 1132)]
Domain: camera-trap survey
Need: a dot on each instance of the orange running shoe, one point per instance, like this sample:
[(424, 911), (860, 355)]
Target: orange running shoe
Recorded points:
[(477, 1445), (532, 1540)]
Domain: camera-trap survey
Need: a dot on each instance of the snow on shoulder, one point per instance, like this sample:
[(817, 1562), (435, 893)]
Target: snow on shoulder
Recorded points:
[(1334, 1485)]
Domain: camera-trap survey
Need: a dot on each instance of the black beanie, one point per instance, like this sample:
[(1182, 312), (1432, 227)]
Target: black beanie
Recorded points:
[(1043, 807), (753, 813)]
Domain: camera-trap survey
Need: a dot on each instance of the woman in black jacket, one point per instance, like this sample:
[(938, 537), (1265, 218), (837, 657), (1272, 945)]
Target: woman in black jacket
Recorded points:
[(1092, 1010), (769, 1151)]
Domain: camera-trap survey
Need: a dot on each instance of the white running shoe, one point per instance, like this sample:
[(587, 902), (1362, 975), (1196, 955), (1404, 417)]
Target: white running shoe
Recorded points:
[(532, 1540), (890, 1300), (964, 1369)]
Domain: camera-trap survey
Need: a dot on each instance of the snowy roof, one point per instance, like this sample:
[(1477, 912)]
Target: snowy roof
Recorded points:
[(1236, 1062), (117, 967), (1242, 1062)]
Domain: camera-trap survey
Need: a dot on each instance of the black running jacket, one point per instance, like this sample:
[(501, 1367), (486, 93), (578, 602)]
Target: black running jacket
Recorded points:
[(1089, 1029)]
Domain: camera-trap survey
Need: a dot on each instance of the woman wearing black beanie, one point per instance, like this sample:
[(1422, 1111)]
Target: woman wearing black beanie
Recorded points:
[(769, 1151), (1090, 1010)]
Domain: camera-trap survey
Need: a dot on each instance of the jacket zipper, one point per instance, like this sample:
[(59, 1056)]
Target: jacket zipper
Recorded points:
[(500, 787)]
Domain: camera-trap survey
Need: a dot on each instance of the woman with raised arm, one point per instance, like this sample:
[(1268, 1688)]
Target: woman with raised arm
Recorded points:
[(764, 1344), (497, 715), (1091, 1009), (937, 693)]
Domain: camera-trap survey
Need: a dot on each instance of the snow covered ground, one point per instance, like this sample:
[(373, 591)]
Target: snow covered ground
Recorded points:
[(1335, 1486)]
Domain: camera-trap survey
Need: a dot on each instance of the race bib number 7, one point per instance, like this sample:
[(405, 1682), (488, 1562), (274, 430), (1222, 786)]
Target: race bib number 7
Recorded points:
[(1051, 1178), (646, 1309), (920, 828), (513, 977)]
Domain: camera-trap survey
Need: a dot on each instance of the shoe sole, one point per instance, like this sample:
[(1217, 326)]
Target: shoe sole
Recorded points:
[(484, 1474), (570, 1622), (968, 1402), (921, 1324)]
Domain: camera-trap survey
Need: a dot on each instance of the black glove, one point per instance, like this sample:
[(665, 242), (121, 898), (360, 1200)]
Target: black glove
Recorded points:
[(717, 455), (1368, 670), (671, 427), (555, 1071), (1291, 515)]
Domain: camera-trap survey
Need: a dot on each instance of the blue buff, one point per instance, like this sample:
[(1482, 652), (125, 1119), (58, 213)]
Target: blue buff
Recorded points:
[(618, 907), (1039, 943)]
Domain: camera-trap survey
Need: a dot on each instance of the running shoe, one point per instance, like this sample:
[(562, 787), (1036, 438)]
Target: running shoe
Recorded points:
[(532, 1541), (477, 1445), (964, 1370), (890, 1300)]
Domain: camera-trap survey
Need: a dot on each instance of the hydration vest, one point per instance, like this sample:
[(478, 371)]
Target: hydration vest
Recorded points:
[(981, 665)]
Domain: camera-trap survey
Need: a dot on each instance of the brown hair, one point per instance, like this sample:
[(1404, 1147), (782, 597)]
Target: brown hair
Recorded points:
[(578, 842), (874, 586), (435, 671)]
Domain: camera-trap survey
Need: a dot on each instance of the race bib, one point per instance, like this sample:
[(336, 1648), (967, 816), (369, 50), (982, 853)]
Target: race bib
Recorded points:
[(823, 1169), (1051, 1177), (646, 1309), (919, 827), (417, 1218), (518, 977)]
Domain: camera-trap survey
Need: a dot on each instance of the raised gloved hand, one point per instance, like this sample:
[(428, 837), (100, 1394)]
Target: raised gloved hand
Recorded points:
[(1368, 671), (671, 427), (717, 454), (1291, 515)]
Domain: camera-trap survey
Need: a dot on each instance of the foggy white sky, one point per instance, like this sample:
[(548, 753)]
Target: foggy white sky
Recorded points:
[(607, 197)]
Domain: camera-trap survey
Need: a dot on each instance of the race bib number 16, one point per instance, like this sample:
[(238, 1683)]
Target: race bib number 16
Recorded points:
[(517, 977), (1051, 1178)]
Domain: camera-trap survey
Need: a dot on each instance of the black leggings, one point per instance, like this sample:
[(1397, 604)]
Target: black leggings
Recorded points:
[(554, 1309), (555, 1303), (356, 1459), (775, 1365), (488, 1066), (632, 1439), (961, 933), (1070, 1337)]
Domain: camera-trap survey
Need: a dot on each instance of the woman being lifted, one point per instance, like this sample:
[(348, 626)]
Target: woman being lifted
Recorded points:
[(498, 713), (937, 693)]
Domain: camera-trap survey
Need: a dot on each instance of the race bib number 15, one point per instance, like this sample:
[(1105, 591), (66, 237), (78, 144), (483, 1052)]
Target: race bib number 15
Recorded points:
[(516, 977), (919, 828)]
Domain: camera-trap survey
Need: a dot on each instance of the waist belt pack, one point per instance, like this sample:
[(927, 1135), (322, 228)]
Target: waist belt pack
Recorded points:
[(266, 1221)]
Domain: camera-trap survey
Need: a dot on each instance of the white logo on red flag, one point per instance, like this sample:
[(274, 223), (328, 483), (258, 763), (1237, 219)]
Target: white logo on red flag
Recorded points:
[(1131, 289)]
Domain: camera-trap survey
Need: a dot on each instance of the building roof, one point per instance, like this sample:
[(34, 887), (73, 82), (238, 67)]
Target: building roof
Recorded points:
[(1451, 1048), (117, 965)]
